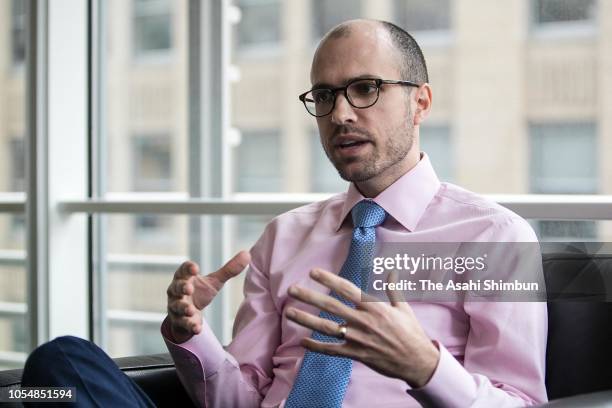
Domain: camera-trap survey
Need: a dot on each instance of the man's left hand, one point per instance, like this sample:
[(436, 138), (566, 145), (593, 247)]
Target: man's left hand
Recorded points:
[(386, 337)]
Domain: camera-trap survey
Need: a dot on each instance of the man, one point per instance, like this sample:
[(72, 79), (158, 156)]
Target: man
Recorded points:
[(295, 345)]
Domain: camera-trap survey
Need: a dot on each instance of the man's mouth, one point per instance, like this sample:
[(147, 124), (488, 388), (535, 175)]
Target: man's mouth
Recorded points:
[(349, 142), (347, 145)]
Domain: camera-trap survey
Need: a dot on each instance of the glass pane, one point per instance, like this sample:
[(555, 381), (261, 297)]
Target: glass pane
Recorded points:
[(243, 232), (152, 26), (260, 23), (415, 15), (137, 267), (12, 97), (564, 158), (141, 254), (490, 148), (18, 31), (572, 231), (14, 339), (144, 96), (548, 11), (323, 175), (328, 13), (435, 140), (258, 162)]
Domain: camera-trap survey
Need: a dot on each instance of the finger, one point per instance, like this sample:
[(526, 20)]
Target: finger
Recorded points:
[(181, 308), (396, 297), (186, 325), (232, 268), (187, 269), (342, 287), (312, 322), (324, 302), (331, 349), (179, 287)]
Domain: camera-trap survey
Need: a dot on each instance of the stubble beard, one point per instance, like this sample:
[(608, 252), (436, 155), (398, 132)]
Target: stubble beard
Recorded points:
[(395, 149)]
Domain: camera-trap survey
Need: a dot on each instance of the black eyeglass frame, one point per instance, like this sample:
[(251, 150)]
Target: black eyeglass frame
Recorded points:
[(379, 82)]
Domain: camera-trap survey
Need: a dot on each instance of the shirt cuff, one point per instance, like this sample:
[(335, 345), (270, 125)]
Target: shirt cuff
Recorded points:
[(449, 386), (204, 346)]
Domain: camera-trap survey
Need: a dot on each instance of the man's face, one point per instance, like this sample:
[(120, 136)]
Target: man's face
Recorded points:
[(384, 132)]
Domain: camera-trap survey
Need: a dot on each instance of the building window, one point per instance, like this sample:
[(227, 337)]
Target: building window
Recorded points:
[(152, 163), (413, 15), (554, 11), (248, 229), (18, 227), (152, 29), (258, 159), (152, 171), (17, 175), (436, 142), (328, 13), (563, 160), (18, 25), (260, 23), (324, 177)]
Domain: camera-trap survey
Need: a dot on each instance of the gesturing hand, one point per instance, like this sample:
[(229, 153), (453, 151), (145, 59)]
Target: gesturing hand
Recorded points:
[(190, 292), (386, 337)]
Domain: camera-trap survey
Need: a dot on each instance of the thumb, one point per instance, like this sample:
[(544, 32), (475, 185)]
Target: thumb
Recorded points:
[(232, 268)]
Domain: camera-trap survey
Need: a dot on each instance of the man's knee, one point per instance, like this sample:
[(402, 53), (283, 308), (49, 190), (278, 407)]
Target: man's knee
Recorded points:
[(57, 348), (52, 355)]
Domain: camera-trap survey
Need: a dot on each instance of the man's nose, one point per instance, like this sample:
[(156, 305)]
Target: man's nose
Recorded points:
[(343, 111)]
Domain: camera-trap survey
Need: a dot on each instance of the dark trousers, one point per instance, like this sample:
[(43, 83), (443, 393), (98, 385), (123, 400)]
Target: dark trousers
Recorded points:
[(73, 362)]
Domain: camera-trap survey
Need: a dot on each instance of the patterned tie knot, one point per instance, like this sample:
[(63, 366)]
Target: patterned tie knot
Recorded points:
[(367, 213)]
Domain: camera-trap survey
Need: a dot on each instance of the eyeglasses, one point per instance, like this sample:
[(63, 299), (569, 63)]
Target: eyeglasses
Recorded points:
[(360, 93)]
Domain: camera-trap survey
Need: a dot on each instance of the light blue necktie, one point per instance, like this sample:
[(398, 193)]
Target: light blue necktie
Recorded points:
[(322, 379)]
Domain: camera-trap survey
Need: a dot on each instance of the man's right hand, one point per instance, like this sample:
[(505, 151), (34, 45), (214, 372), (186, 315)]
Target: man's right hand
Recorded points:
[(189, 293)]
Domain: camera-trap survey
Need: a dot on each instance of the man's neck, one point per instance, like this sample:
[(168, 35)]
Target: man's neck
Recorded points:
[(376, 185)]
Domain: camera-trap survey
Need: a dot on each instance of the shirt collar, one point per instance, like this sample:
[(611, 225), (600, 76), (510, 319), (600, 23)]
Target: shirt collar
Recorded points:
[(406, 199)]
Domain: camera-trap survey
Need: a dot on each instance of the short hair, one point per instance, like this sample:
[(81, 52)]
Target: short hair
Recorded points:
[(412, 64)]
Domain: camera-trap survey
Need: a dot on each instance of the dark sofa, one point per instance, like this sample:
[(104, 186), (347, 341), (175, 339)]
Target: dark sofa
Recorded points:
[(578, 356)]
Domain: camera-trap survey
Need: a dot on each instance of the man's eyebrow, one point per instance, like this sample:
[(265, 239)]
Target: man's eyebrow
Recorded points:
[(323, 85)]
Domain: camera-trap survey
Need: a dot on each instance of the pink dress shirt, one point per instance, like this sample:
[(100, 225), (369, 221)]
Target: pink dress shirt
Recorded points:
[(491, 354)]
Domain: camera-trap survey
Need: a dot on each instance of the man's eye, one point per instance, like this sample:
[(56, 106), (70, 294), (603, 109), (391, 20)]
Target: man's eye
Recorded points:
[(321, 97), (364, 88)]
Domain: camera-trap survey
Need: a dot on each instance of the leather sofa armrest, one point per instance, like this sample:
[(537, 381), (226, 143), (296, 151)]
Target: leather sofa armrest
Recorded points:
[(591, 400)]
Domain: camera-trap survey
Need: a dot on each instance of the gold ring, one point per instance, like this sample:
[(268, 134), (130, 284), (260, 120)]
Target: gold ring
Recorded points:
[(342, 330)]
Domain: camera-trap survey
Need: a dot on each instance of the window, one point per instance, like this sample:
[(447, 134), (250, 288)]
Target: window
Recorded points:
[(328, 13), (435, 141), (258, 159), (413, 15), (564, 161), (564, 231), (260, 23), (152, 172), (142, 148), (17, 159), (563, 158), (152, 29), (152, 161), (18, 21), (323, 175), (552, 11)]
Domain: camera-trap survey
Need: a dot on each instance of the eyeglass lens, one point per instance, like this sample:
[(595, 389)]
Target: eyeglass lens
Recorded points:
[(361, 94)]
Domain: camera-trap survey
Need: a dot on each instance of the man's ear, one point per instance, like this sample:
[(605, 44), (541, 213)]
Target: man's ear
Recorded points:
[(423, 98)]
